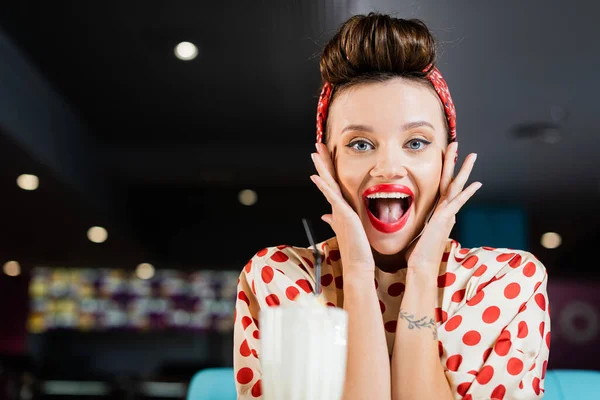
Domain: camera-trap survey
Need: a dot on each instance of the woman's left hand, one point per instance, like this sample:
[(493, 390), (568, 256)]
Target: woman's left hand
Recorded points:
[(426, 253)]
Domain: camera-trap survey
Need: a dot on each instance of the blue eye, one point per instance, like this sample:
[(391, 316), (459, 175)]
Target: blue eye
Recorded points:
[(423, 144), (360, 145)]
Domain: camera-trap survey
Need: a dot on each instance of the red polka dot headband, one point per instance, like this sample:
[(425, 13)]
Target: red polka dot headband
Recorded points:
[(434, 76)]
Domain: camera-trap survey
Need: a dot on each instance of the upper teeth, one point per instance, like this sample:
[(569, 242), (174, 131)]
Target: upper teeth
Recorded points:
[(388, 195)]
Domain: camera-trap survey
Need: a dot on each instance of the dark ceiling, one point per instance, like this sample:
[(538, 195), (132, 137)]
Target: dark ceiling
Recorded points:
[(125, 135)]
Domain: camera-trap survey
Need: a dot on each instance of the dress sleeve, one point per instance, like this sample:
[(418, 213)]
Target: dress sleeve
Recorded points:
[(514, 366), (272, 277)]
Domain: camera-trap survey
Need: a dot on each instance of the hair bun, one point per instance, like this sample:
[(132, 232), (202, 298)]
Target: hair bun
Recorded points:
[(377, 44)]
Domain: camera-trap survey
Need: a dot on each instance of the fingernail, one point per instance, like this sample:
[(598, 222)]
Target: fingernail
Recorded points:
[(479, 185), (312, 156), (475, 157), (317, 146)]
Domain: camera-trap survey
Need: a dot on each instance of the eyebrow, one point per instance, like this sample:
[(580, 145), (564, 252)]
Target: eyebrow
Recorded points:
[(407, 126)]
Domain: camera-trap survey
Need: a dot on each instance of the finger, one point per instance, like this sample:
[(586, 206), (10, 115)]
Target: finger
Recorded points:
[(334, 198), (456, 204), (448, 169), (457, 185), (323, 151), (328, 218), (323, 171)]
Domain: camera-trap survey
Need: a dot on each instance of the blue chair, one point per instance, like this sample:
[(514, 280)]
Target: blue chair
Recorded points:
[(212, 384), (571, 384)]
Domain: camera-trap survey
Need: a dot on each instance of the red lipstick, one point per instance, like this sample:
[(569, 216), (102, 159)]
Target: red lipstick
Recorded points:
[(388, 188)]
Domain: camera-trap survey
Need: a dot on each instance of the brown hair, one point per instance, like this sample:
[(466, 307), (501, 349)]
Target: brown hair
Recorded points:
[(376, 48)]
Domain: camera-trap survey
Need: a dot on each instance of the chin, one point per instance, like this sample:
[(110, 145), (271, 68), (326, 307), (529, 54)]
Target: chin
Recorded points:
[(388, 244)]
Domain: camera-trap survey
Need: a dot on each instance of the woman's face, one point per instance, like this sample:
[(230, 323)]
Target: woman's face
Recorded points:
[(387, 140)]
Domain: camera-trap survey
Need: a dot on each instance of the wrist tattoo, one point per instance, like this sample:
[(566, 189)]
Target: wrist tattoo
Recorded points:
[(425, 322)]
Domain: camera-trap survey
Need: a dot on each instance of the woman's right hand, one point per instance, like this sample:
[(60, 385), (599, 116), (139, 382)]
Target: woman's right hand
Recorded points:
[(355, 250)]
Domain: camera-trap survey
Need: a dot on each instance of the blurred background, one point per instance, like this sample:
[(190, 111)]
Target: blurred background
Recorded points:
[(149, 149)]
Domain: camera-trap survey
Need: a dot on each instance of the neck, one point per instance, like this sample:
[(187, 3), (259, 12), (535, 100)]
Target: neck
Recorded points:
[(390, 263)]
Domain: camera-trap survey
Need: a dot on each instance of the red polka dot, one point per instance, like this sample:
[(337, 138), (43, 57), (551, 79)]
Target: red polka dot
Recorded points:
[(516, 261), (453, 362), (470, 262), (464, 251), (459, 295), (523, 307), (254, 353), (282, 246), (256, 335), (256, 389), (521, 385), (330, 304), (529, 269), (279, 256), (504, 257), (440, 315), (468, 397), (246, 321), (476, 299), (390, 326), (540, 300), (514, 366), (248, 266), (339, 282), (481, 270), (512, 290), (262, 252), (396, 289), (453, 323), (445, 257), (446, 279), (267, 274), (242, 296), (485, 375), (245, 349), (282, 273), (245, 375), (291, 292), (440, 348), (272, 300), (326, 279), (253, 287), (548, 339), (308, 262), (532, 367), (486, 354), (491, 314), (305, 285), (334, 255), (523, 330), (536, 385), (488, 248), (542, 326), (382, 306), (544, 367), (498, 392), (471, 338), (463, 388), (503, 343)]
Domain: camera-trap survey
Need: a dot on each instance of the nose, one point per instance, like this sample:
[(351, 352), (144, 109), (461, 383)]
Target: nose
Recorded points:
[(390, 165)]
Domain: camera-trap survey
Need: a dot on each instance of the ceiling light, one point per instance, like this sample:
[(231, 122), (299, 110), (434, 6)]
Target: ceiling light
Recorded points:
[(28, 182), (97, 234), (247, 197), (186, 51), (551, 240), (145, 271), (12, 268)]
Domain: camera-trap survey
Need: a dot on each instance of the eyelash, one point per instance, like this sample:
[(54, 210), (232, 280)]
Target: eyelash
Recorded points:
[(423, 141)]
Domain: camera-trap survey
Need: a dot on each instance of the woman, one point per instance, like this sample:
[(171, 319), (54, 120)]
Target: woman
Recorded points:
[(427, 318)]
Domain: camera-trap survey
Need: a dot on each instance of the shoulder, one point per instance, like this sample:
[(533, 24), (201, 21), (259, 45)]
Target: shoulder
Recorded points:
[(511, 273), (290, 260)]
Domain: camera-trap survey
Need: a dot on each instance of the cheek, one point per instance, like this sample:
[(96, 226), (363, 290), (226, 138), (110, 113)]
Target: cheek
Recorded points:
[(349, 177)]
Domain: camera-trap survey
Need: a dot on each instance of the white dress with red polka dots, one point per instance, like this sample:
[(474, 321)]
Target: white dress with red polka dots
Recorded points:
[(492, 314)]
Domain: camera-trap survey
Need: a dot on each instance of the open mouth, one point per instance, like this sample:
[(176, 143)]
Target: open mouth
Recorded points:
[(388, 206)]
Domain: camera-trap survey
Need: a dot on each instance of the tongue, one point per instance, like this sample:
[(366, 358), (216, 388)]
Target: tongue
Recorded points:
[(388, 210)]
